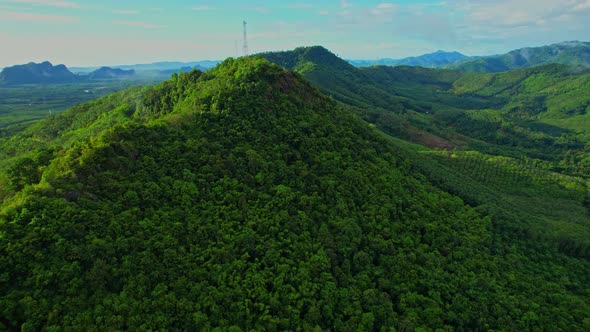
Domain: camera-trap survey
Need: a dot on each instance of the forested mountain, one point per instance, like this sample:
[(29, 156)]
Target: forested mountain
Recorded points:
[(243, 198), (43, 72), (573, 53), (431, 60), (110, 73)]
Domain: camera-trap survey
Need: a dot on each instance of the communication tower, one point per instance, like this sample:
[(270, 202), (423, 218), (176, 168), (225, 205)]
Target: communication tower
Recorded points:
[(245, 46)]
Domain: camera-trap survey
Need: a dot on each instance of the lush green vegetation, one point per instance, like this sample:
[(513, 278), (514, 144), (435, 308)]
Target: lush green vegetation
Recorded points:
[(244, 199)]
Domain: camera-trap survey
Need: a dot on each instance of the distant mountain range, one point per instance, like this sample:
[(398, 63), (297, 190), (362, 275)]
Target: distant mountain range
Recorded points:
[(164, 66), (431, 60), (572, 53), (46, 73)]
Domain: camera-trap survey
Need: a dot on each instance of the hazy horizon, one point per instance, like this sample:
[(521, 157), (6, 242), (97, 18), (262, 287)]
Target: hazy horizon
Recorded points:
[(79, 33)]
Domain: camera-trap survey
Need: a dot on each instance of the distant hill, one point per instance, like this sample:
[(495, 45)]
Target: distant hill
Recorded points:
[(168, 72), (431, 60), (37, 73), (108, 73), (571, 53)]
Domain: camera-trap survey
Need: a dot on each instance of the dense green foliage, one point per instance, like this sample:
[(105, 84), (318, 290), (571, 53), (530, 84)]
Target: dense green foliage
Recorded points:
[(241, 198)]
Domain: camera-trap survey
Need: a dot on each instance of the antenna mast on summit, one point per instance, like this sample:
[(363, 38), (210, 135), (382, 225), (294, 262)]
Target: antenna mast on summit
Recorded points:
[(245, 47)]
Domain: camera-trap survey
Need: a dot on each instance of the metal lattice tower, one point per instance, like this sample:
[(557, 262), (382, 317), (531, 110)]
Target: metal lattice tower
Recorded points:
[(245, 47)]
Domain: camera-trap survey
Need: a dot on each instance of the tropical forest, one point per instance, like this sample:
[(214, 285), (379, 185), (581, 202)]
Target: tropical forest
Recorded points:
[(296, 191)]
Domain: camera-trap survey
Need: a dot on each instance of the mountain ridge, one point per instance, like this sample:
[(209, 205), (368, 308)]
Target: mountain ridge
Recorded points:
[(45, 73), (430, 60), (572, 53)]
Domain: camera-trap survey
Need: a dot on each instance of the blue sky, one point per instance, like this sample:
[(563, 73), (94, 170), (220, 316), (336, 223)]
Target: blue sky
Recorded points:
[(109, 32)]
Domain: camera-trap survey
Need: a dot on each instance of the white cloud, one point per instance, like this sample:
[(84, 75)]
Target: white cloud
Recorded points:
[(510, 13), (52, 3), (261, 10), (385, 6), (125, 12), (142, 25), (284, 34), (203, 8), (368, 16), (383, 11), (300, 6), (345, 4), (36, 18), (497, 26), (583, 5)]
